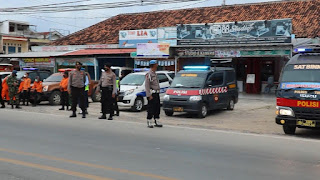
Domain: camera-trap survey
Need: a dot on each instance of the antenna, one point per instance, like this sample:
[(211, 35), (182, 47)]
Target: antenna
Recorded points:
[(223, 2)]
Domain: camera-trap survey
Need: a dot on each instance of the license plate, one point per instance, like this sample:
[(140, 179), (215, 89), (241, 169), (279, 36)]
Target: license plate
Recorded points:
[(307, 123), (178, 109)]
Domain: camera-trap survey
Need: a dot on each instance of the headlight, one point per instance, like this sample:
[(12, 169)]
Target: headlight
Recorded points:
[(166, 97), (195, 98), (45, 89), (286, 112), (129, 92)]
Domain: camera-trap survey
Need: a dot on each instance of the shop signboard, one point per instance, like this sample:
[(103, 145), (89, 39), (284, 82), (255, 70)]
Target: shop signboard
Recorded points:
[(37, 62), (153, 50), (195, 52), (245, 32), (167, 35), (141, 62), (72, 61), (266, 53), (130, 38)]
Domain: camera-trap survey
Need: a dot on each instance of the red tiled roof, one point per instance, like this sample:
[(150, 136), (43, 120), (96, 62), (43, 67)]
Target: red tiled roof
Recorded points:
[(99, 51), (304, 14)]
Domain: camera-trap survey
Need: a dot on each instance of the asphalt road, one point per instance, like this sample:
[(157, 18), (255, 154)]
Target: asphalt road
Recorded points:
[(37, 146)]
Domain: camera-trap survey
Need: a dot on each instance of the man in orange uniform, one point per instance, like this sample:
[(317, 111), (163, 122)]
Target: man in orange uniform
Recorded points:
[(64, 91), (26, 89), (36, 90), (5, 89)]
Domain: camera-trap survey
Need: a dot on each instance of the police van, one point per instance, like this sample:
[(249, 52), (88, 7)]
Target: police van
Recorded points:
[(132, 89), (298, 94), (199, 89)]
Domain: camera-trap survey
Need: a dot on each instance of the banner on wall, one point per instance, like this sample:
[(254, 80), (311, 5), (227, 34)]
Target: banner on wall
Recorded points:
[(130, 38), (153, 50), (72, 61), (167, 35), (160, 63), (245, 32), (37, 62)]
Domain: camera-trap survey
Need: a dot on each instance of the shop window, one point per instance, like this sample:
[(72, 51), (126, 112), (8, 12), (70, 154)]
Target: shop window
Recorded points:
[(20, 27), (217, 79), (11, 27), (19, 49), (11, 49)]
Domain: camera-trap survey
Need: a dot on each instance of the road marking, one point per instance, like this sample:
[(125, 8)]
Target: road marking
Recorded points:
[(87, 164), (53, 169)]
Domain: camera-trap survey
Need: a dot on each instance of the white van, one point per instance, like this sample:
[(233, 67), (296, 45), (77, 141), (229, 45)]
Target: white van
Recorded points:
[(119, 71), (132, 89)]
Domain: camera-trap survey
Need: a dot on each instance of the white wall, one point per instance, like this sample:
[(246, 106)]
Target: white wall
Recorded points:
[(4, 27)]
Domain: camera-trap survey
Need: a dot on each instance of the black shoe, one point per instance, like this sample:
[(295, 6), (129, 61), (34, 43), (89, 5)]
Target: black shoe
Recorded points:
[(73, 115), (18, 107), (103, 117), (118, 113), (149, 123), (12, 106), (61, 109), (3, 106), (157, 124), (83, 115), (110, 118)]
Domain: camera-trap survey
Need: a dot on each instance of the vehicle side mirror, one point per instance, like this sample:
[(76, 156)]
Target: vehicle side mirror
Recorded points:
[(170, 82)]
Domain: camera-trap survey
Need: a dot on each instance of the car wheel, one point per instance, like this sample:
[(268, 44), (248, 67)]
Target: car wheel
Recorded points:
[(138, 105), (169, 113), (55, 98), (203, 111), (231, 105), (289, 129), (96, 96)]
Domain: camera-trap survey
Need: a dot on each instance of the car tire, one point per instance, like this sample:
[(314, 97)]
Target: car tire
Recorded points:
[(289, 129), (55, 98), (203, 111), (96, 96), (169, 113), (138, 105), (231, 104)]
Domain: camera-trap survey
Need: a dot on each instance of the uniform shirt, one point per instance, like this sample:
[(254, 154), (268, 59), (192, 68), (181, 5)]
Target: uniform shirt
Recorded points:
[(10, 81), (108, 79), (76, 79), (37, 86), (64, 84), (151, 82), (26, 84)]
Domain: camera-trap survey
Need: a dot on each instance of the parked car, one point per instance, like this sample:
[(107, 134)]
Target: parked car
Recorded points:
[(4, 74), (51, 89), (132, 89), (6, 67), (199, 89), (119, 71), (33, 73)]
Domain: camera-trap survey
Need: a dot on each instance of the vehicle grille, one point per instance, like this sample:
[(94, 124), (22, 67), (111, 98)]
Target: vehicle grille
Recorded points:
[(307, 113)]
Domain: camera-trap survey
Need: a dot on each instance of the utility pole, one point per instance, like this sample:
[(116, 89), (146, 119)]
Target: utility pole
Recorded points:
[(223, 2)]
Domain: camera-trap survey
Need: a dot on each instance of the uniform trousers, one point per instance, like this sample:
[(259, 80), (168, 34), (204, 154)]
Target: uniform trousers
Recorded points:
[(65, 99), (154, 107), (77, 95), (107, 100)]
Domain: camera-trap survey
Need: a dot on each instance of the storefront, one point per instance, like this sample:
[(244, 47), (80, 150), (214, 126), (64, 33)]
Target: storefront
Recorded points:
[(256, 49)]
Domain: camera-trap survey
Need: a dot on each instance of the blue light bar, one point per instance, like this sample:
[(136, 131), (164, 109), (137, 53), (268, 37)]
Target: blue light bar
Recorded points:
[(302, 50), (196, 68), (29, 69), (141, 69)]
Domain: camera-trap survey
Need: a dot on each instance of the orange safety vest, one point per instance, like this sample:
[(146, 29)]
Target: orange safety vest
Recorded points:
[(26, 84), (37, 86), (64, 84)]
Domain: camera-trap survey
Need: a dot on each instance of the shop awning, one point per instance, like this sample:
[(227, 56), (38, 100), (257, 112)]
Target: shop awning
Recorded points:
[(32, 54), (99, 51)]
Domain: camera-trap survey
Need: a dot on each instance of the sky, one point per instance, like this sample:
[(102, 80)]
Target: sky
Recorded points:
[(69, 22)]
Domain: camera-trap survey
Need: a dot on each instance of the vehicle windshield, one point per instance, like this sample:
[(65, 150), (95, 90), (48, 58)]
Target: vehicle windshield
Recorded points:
[(188, 81), (54, 78), (300, 73), (20, 74), (133, 79)]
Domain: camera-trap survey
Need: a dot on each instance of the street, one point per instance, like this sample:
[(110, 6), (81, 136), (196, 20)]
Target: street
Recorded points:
[(47, 146)]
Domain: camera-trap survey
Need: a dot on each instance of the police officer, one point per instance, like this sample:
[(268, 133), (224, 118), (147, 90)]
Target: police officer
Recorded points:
[(1, 100), (152, 90), (76, 84), (13, 85), (107, 85)]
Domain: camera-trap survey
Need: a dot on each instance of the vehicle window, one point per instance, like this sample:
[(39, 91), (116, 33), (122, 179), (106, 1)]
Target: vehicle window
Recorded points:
[(116, 71), (44, 75), (126, 72), (32, 76), (290, 74), (133, 79), (171, 75), (217, 79), (162, 78), (188, 80), (54, 78), (231, 77)]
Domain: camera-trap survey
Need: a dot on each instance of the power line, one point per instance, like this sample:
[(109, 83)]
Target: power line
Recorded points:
[(68, 8)]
